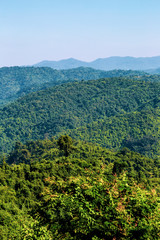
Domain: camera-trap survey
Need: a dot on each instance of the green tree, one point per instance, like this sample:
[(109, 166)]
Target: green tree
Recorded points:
[(65, 144)]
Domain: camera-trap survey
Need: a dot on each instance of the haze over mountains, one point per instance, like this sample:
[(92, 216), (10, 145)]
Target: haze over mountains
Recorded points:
[(110, 63)]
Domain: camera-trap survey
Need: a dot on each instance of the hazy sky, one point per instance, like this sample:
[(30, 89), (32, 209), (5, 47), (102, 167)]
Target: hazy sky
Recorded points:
[(36, 30)]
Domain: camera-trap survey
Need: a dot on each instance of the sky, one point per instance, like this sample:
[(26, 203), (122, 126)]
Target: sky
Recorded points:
[(35, 30)]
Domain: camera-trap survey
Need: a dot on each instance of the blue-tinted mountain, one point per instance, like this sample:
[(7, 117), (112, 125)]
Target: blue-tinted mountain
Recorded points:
[(110, 63), (62, 64)]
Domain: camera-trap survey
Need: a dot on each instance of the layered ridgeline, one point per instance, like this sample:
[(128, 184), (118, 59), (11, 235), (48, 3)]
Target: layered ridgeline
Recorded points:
[(15, 82), (68, 189), (110, 63), (73, 105)]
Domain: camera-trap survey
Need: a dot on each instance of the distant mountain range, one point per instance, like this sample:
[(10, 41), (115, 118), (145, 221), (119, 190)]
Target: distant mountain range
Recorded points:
[(110, 63)]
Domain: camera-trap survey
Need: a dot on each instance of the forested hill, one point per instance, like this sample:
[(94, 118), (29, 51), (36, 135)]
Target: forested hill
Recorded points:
[(15, 82), (72, 105)]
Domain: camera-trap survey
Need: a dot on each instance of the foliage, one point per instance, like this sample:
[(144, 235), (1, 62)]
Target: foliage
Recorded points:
[(73, 105), (139, 131), (93, 193), (16, 82), (65, 144), (91, 207), (62, 188)]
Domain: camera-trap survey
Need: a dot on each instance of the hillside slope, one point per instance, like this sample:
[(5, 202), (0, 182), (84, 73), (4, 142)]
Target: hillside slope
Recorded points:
[(139, 131), (16, 82), (72, 105)]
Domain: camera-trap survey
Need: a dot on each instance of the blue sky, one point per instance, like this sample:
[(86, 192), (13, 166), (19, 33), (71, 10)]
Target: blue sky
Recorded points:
[(36, 30)]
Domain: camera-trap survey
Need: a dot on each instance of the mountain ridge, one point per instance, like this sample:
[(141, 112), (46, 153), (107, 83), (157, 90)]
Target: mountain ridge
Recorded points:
[(68, 106), (109, 63), (15, 82)]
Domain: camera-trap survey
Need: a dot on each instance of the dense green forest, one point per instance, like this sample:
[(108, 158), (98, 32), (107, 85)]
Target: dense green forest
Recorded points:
[(139, 131), (73, 105), (67, 189), (16, 82), (79, 160)]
